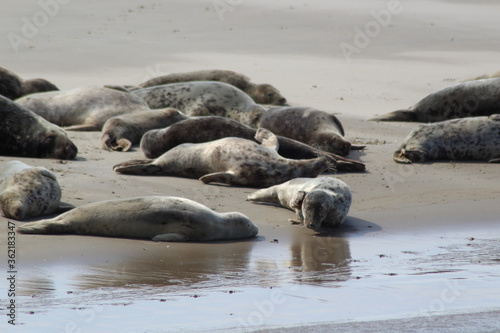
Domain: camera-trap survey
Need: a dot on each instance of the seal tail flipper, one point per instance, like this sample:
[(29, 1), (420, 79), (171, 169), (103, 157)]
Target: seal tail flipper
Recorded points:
[(171, 237), (137, 167), (116, 145), (494, 160), (267, 195), (64, 207), (400, 115), (43, 227), (399, 157), (220, 177), (355, 147), (82, 128), (267, 139)]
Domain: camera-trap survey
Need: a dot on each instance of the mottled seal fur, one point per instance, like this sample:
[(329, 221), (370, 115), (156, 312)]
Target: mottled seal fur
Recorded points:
[(475, 138), (316, 128), (467, 99), (83, 109), (232, 161), (13, 87), (210, 128), (318, 202), (204, 98), (160, 218), (121, 132), (25, 134), (27, 191), (260, 93)]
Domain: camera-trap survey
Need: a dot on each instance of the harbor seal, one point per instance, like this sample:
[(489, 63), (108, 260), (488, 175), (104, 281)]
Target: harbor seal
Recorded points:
[(160, 218), (83, 109), (467, 99), (474, 138), (204, 98), (25, 134), (27, 191), (260, 93), (210, 128), (318, 129), (232, 161), (13, 87), (121, 132), (318, 202)]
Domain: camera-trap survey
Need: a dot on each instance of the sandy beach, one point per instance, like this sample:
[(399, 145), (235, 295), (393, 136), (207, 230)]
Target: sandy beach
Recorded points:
[(420, 248)]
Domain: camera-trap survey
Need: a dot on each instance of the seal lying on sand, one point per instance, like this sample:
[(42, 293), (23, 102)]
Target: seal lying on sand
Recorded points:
[(318, 202), (161, 218), (121, 132), (83, 109), (231, 161), (316, 128), (260, 93), (467, 99), (27, 191), (12, 86), (210, 128), (25, 134), (204, 98), (475, 138)]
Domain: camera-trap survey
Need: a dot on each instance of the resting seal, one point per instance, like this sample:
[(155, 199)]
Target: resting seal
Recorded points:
[(232, 161), (83, 109), (316, 128), (121, 132), (467, 99), (160, 218), (25, 134), (260, 93), (210, 128), (476, 138), (12, 86), (318, 202), (204, 98)]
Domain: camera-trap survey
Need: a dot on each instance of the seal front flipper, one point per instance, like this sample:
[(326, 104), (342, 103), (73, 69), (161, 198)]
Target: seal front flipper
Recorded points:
[(267, 139), (170, 237), (138, 167), (220, 177)]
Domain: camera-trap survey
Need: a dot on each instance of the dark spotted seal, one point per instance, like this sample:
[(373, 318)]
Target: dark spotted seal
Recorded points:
[(318, 202), (13, 87), (260, 93), (475, 138), (25, 134)]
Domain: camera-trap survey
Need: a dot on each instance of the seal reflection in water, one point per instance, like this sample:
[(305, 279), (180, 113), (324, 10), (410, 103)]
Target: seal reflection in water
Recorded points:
[(160, 218)]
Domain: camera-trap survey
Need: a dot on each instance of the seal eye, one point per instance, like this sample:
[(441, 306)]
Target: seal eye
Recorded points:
[(270, 95)]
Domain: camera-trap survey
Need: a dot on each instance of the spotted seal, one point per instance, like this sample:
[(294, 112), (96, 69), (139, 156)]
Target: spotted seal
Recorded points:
[(474, 138), (461, 100), (160, 218), (25, 134), (13, 87), (204, 98), (260, 93), (318, 202), (232, 161)]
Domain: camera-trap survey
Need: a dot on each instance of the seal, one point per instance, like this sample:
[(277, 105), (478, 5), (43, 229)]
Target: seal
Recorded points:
[(474, 138), (260, 93), (25, 134), (461, 100), (83, 109), (27, 191), (318, 202), (204, 98), (316, 128), (13, 87), (121, 132), (160, 218), (232, 161), (210, 128)]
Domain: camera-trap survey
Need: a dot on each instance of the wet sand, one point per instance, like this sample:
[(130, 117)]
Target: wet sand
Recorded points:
[(419, 249)]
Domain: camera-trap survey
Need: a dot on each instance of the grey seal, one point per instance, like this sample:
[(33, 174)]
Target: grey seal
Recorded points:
[(13, 87)]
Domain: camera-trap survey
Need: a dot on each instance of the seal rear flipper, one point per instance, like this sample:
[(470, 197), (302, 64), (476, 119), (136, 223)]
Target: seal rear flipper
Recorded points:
[(220, 177), (355, 147), (399, 157), (267, 139), (170, 237), (494, 160), (138, 167), (82, 128), (64, 207), (400, 115)]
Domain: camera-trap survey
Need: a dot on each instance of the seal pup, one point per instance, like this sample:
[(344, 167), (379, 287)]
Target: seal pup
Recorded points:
[(318, 202), (232, 161), (160, 218), (13, 87), (121, 132), (475, 138), (83, 109), (25, 134), (27, 191), (260, 93), (318, 129), (204, 98), (461, 100), (210, 128)]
